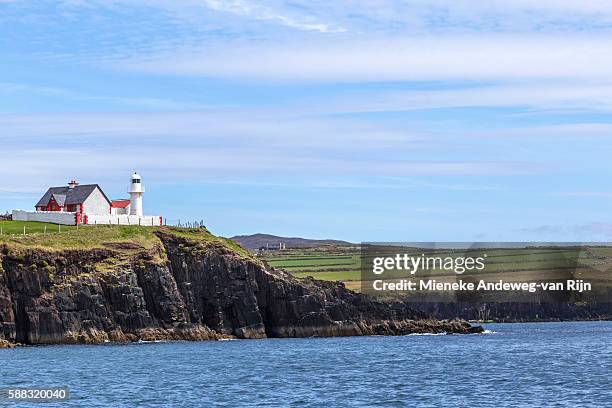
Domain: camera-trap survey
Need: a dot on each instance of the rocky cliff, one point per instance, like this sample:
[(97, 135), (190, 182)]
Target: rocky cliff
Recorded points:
[(175, 284), (513, 312)]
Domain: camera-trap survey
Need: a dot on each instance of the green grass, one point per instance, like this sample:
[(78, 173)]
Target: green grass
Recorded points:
[(325, 263), (85, 237), (344, 276), (306, 263), (122, 238), (16, 227), (344, 263), (203, 235)]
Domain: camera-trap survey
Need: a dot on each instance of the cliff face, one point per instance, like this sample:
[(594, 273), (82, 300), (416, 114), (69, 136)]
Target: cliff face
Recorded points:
[(513, 312), (179, 289)]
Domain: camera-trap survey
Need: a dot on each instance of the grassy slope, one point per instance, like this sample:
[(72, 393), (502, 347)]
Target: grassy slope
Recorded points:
[(343, 263), (90, 237), (327, 263)]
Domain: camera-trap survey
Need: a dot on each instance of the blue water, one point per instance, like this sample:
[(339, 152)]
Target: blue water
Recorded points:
[(543, 364)]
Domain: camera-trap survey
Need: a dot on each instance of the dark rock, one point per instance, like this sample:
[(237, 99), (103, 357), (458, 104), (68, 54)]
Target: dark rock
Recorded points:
[(510, 312), (185, 290)]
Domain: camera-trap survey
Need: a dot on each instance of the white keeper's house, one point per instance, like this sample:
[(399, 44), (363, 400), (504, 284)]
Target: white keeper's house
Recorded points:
[(76, 204)]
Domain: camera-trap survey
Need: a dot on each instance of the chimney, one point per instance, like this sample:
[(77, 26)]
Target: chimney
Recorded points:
[(73, 184)]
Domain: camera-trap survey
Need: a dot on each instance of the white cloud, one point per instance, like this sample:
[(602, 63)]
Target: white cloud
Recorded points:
[(194, 12), (132, 102), (502, 6), (478, 58), (386, 15), (534, 95), (217, 146), (260, 12)]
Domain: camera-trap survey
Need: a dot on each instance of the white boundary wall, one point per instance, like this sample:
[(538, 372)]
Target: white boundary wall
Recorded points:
[(123, 219), (55, 217), (69, 218)]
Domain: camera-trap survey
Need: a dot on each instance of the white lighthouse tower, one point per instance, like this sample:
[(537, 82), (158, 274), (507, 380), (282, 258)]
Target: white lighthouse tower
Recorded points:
[(136, 191)]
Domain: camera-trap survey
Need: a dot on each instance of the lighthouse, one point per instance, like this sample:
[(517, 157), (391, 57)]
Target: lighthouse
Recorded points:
[(136, 190)]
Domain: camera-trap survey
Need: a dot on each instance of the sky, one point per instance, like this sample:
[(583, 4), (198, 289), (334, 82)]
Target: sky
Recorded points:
[(380, 120)]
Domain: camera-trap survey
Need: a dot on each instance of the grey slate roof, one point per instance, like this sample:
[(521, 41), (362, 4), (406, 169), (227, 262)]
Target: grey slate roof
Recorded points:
[(76, 195), (60, 199)]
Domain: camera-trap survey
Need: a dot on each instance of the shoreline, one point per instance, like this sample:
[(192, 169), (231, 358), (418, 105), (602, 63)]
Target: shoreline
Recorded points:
[(607, 319), (485, 331), (8, 345), (152, 335)]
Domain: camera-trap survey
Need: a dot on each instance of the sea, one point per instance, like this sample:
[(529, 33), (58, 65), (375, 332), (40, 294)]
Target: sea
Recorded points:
[(566, 364)]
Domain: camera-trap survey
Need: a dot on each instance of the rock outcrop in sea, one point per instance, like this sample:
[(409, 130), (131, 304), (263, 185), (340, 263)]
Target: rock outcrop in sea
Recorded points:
[(178, 285)]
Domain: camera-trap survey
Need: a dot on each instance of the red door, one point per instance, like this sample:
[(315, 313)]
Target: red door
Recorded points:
[(53, 206)]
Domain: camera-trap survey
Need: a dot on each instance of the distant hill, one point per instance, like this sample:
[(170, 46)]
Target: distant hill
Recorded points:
[(257, 241)]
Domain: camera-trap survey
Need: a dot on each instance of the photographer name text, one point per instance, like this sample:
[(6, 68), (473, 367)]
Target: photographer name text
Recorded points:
[(577, 285)]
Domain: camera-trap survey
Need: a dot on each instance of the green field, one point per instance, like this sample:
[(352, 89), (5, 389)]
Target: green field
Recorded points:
[(326, 263), (99, 236), (343, 263), (71, 237), (17, 227)]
